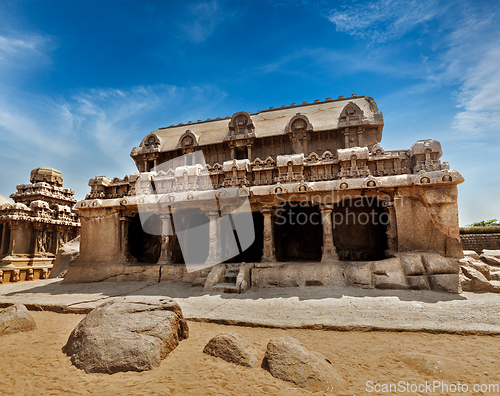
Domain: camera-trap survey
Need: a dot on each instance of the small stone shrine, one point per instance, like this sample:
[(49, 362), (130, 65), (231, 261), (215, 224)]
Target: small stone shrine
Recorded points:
[(32, 229)]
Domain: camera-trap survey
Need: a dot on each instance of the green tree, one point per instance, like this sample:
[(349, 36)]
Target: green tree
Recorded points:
[(483, 223)]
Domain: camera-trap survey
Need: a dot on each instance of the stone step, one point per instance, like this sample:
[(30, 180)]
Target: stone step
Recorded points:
[(226, 288), (230, 278)]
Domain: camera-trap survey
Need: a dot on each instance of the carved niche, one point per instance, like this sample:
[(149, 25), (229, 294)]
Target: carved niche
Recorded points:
[(151, 142), (351, 115), (241, 125), (188, 142), (241, 135), (298, 130)]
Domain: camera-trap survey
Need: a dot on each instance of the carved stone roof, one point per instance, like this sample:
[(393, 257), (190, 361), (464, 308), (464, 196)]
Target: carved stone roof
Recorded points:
[(272, 122), (4, 200)]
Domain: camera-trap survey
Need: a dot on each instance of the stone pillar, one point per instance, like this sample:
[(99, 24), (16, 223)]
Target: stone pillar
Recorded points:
[(249, 152), (268, 254), (361, 138), (166, 232), (4, 242), (329, 253), (346, 138), (214, 254), (124, 245), (391, 230), (12, 243), (57, 238)]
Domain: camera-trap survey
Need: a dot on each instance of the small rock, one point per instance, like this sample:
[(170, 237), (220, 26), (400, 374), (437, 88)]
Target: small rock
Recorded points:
[(290, 361), (126, 336), (232, 348), (15, 319), (433, 365)]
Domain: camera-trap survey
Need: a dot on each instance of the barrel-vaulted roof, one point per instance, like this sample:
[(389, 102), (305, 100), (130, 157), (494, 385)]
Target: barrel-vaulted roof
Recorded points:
[(4, 200), (322, 116)]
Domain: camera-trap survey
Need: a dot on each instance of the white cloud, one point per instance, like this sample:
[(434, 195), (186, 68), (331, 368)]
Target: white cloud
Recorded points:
[(479, 95), (92, 132), (383, 20), (207, 15)]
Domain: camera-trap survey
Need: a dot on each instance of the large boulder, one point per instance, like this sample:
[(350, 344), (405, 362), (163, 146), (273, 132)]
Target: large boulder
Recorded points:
[(126, 336), (66, 254), (15, 319), (232, 348), (290, 361)]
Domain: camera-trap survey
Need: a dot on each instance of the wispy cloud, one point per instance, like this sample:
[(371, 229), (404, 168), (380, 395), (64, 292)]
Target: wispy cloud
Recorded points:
[(466, 51), (93, 131), (206, 17), (383, 20)]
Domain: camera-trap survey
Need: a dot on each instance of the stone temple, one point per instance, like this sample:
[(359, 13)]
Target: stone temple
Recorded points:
[(326, 203), (32, 229)]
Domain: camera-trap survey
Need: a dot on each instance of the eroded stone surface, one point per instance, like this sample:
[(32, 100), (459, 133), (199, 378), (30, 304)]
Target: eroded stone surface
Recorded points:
[(15, 319), (290, 361), (472, 254), (126, 336), (477, 276), (491, 257), (65, 256), (389, 274), (232, 348), (436, 264)]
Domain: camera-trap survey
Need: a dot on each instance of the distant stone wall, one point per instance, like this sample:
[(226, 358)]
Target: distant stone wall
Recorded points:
[(478, 242)]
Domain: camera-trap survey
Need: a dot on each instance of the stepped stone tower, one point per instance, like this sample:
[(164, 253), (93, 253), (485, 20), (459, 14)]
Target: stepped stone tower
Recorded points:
[(33, 228)]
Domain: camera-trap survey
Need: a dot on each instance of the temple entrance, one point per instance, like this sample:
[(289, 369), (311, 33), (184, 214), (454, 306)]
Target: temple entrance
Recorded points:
[(252, 254), (298, 233), (145, 246), (359, 229)]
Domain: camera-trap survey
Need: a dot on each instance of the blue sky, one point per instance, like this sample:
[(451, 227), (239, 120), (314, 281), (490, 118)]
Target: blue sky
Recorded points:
[(81, 83)]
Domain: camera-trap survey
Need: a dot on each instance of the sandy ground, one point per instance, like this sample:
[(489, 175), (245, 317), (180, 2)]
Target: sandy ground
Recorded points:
[(32, 363)]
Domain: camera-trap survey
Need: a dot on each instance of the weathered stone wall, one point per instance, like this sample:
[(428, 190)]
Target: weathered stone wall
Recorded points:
[(478, 242)]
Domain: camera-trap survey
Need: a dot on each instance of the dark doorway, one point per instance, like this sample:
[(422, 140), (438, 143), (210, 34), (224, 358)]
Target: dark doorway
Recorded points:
[(145, 246), (298, 233), (360, 229), (253, 253)]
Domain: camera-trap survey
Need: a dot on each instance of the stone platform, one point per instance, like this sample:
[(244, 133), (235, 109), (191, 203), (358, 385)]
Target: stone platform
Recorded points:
[(322, 308)]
